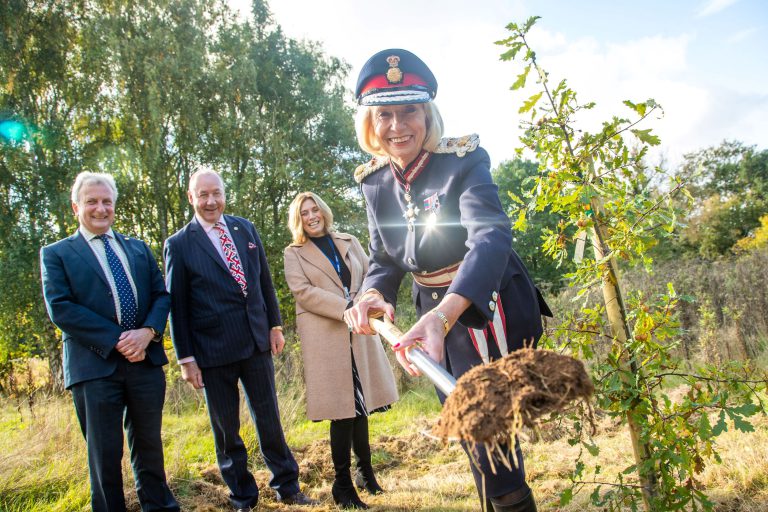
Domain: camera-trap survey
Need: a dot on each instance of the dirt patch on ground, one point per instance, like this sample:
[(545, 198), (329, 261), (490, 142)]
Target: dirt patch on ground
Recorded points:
[(314, 461), (494, 401), (315, 466)]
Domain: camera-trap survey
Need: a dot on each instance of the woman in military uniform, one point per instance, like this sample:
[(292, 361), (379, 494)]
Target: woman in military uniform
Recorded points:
[(434, 211)]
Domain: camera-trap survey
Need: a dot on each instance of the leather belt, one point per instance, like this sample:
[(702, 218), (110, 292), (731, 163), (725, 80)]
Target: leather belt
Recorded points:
[(439, 278)]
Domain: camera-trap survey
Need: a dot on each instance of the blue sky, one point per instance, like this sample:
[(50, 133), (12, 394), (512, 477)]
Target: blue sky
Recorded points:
[(703, 60)]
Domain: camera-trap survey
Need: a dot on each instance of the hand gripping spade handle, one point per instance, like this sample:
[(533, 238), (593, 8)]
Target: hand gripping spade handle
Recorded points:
[(443, 380)]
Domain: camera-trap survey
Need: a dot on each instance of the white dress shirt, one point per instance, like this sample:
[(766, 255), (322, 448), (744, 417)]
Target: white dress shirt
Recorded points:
[(97, 246)]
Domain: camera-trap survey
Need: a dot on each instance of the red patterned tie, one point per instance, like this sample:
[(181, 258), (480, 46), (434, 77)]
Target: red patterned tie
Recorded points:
[(233, 260)]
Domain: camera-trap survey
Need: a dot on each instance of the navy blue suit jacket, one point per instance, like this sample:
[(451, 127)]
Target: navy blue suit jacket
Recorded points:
[(80, 303), (210, 318)]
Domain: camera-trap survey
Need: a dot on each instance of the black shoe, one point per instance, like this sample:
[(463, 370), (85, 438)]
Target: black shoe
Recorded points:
[(367, 480), (299, 499), (346, 497)]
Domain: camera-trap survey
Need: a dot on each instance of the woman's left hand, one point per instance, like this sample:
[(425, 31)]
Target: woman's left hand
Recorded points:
[(428, 333)]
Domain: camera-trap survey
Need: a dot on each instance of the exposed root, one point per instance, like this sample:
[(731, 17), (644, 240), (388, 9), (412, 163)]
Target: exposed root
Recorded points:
[(491, 404)]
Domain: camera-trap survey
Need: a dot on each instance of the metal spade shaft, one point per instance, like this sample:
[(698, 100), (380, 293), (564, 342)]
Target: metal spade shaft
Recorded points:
[(434, 372)]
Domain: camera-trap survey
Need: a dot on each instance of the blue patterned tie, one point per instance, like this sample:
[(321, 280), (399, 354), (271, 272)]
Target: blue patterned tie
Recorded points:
[(128, 307)]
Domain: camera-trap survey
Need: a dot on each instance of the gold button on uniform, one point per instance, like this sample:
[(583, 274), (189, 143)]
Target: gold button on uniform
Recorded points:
[(495, 296), (434, 295), (492, 306)]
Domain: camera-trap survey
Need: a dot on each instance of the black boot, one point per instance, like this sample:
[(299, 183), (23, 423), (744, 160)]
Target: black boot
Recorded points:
[(343, 490), (485, 502), (513, 503), (364, 478)]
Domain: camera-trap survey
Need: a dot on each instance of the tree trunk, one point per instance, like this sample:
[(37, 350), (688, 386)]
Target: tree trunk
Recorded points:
[(617, 317), (53, 355)]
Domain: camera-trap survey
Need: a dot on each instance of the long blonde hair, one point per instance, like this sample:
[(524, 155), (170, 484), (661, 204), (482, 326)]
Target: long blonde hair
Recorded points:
[(294, 216), (370, 143)]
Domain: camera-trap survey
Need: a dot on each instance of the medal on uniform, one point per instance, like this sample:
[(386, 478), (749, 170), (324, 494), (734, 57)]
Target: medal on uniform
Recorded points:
[(411, 210), (432, 206), (405, 178)]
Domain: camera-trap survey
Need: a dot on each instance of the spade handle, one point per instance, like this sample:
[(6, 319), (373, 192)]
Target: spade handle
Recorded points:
[(443, 380)]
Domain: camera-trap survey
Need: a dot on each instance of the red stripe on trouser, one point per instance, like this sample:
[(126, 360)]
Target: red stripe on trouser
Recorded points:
[(498, 327), (480, 341)]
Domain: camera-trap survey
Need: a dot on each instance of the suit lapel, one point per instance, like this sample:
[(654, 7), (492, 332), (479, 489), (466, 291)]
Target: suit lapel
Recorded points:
[(200, 237), (310, 253), (123, 241), (81, 247), (240, 238), (344, 243)]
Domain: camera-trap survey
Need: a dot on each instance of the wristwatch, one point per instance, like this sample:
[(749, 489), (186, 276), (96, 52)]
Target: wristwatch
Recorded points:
[(444, 319)]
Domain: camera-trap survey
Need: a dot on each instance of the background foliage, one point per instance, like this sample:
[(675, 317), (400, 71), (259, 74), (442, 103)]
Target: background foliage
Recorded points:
[(151, 91), (599, 185)]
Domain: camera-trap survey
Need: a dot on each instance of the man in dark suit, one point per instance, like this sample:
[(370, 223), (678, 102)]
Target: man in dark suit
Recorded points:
[(225, 325), (105, 292)]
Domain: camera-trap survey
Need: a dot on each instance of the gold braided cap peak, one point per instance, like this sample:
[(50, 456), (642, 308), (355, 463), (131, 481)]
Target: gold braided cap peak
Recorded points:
[(459, 145)]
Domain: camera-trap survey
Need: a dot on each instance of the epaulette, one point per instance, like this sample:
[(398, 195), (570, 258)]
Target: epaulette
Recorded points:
[(459, 145), (366, 169)]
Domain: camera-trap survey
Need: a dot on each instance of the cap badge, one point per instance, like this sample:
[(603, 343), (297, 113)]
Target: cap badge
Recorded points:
[(394, 75)]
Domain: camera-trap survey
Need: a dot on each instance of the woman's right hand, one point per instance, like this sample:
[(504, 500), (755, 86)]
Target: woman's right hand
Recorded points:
[(356, 317)]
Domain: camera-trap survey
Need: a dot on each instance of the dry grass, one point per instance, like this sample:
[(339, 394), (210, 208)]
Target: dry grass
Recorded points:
[(739, 484), (43, 467)]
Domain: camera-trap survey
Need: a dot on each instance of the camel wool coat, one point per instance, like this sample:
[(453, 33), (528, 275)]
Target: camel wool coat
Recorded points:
[(320, 306)]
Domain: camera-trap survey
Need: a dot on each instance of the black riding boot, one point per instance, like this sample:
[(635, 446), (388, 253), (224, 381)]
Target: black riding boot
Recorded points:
[(485, 502), (513, 502), (343, 490), (364, 479)]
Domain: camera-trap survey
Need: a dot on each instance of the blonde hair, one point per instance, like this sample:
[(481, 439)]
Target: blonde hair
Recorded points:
[(370, 143), (86, 178), (294, 216)]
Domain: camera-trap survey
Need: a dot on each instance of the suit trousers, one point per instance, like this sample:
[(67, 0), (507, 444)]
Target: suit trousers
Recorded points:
[(132, 397), (256, 374)]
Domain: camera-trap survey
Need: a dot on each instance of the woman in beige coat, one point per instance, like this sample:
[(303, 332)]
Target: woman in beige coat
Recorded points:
[(347, 375)]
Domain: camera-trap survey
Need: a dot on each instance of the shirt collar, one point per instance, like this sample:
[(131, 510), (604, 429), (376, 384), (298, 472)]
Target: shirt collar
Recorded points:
[(90, 236), (208, 226)]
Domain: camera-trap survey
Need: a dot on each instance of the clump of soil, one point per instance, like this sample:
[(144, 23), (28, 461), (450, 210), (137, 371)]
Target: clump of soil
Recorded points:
[(493, 402)]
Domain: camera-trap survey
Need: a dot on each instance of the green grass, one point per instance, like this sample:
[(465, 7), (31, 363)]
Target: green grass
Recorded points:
[(43, 462)]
